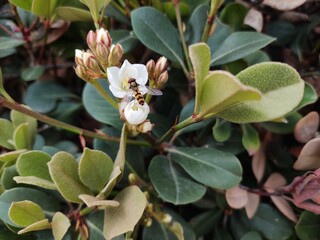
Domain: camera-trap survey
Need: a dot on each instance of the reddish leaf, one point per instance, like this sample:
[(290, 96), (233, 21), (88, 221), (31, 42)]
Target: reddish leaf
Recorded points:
[(284, 5), (236, 197), (252, 204), (275, 181), (284, 207), (254, 19), (259, 162), (307, 127), (309, 157)]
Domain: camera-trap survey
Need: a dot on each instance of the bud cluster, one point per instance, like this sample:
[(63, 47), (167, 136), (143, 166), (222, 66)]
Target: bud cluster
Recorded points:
[(158, 72), (92, 63)]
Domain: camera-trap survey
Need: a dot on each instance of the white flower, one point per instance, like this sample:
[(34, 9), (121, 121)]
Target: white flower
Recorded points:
[(135, 113), (118, 78)]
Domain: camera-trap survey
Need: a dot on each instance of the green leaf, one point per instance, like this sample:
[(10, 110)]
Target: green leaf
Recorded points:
[(281, 127), (222, 90), (24, 4), (34, 163), (7, 52), (25, 213), (37, 226), (211, 167), (21, 137), (44, 200), (239, 45), (95, 168), (309, 96), (73, 14), (156, 32), (172, 183), (196, 23), (115, 175), (221, 32), (6, 134), (221, 130), (200, 58), (98, 108), (123, 218), (9, 42), (250, 138), (308, 226), (42, 96), (7, 176), (251, 236), (11, 156), (202, 223), (256, 57), (43, 9), (234, 14), (281, 87), (94, 222), (63, 169), (121, 155), (32, 73), (35, 181), (60, 225), (126, 38), (19, 118)]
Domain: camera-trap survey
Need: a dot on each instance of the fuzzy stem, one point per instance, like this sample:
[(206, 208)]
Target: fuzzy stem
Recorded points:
[(51, 121), (215, 4)]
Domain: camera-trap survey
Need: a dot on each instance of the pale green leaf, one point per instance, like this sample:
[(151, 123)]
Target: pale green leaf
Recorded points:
[(281, 87), (73, 14), (239, 45), (124, 218), (21, 137), (60, 225), (35, 181), (92, 201), (250, 138), (43, 8), (11, 156), (6, 134), (221, 130), (222, 90), (309, 96), (32, 73), (209, 166), (95, 168), (25, 213), (37, 226), (115, 175), (200, 58), (9, 42), (63, 169), (121, 155), (34, 163), (24, 4), (172, 183)]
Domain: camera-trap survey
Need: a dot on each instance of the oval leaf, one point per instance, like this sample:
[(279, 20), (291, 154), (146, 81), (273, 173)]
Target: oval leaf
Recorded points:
[(25, 213), (250, 138), (35, 181), (284, 5), (123, 218), (306, 127), (32, 73), (308, 226), (37, 226), (63, 169), (211, 167), (95, 168), (236, 197), (239, 45), (156, 32), (34, 163), (91, 201), (60, 225), (172, 184), (309, 156), (281, 87), (73, 14), (6, 134)]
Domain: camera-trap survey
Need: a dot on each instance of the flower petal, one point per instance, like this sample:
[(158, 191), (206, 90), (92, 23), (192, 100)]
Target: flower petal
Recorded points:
[(135, 113), (113, 76), (127, 71), (143, 89), (117, 92), (142, 78)]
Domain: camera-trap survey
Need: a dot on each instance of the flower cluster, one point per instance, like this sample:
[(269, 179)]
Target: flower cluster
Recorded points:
[(102, 59), (91, 64)]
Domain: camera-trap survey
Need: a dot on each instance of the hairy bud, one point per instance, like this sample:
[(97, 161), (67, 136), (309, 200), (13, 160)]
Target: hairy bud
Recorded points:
[(162, 80), (81, 73), (79, 57), (150, 68), (102, 53), (91, 40), (91, 62), (103, 37), (161, 66)]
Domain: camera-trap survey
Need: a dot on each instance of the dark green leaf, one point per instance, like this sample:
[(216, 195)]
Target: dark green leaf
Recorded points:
[(32, 73), (94, 222), (8, 42), (7, 177), (234, 14), (221, 32), (43, 96), (251, 236), (250, 138), (221, 130), (202, 223), (196, 23), (126, 38), (172, 183), (156, 32), (239, 45), (309, 96), (308, 226), (283, 128), (99, 108), (211, 167)]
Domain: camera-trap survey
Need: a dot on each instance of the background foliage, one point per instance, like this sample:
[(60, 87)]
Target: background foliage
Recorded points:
[(234, 150)]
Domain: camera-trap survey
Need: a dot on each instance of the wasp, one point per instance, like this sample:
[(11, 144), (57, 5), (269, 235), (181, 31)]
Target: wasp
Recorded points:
[(134, 86)]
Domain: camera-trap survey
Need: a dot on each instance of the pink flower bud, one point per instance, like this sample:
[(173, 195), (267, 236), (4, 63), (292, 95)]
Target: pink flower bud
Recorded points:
[(150, 68), (115, 56), (90, 62), (161, 66), (103, 37), (91, 40), (81, 73), (79, 57), (162, 79), (102, 53)]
